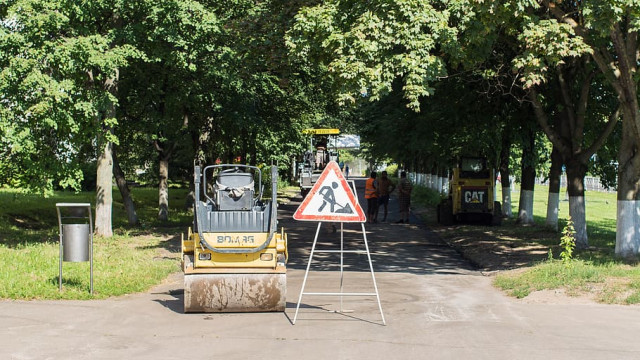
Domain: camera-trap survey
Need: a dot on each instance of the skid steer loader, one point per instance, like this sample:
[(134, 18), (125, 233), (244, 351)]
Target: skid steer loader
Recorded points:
[(234, 259), (471, 194)]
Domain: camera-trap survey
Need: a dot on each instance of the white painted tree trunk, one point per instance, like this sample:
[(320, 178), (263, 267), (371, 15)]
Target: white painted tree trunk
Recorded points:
[(104, 192), (553, 207), (506, 202), (628, 211), (163, 191), (628, 228), (578, 216), (525, 213)]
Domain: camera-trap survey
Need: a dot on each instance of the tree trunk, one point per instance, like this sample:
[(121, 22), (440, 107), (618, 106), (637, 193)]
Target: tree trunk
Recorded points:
[(197, 160), (576, 172), (292, 170), (553, 200), (525, 208), (628, 209), (245, 146), (628, 217), (441, 180), (164, 154), (121, 181), (505, 175), (253, 149), (104, 189), (163, 188)]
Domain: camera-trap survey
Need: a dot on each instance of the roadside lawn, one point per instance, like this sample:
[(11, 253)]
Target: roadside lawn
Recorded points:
[(526, 259), (133, 260)]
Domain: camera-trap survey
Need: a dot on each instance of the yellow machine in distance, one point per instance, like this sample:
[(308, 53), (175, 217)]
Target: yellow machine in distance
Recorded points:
[(471, 194), (234, 260), (322, 149), (321, 131)]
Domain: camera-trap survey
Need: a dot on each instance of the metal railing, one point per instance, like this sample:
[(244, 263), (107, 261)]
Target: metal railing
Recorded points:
[(591, 183), (430, 181), (435, 182)]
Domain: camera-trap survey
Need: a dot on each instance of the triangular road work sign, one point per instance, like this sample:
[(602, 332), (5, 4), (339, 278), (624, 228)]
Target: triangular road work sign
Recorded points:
[(330, 199)]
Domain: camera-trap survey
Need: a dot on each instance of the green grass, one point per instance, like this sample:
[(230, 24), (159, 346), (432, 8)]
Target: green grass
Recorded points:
[(600, 210), (610, 282), (122, 265), (425, 196), (596, 271), (133, 260), (551, 275)]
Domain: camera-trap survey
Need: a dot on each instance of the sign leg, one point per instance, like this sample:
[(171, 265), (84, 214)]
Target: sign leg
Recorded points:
[(373, 277), (341, 262), (306, 273), (60, 261)]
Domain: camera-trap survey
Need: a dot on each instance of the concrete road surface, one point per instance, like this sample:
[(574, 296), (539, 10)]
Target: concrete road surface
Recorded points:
[(436, 306)]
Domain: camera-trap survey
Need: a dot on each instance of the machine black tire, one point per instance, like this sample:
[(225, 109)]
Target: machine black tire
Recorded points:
[(445, 213), (497, 214)]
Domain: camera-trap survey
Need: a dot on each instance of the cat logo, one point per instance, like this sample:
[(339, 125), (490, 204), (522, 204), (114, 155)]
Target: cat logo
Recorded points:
[(474, 197)]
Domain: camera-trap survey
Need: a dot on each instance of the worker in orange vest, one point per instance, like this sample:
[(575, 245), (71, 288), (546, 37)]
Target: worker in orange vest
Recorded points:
[(371, 194)]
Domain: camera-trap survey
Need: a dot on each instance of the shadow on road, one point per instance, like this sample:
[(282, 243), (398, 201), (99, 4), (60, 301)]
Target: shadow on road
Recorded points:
[(410, 248)]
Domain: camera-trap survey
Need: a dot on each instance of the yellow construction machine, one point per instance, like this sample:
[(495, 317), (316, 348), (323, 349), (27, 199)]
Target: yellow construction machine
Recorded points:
[(471, 194), (234, 259), (322, 149)]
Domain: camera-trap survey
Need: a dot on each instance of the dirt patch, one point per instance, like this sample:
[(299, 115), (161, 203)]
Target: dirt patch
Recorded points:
[(559, 296), (490, 251), (167, 246)]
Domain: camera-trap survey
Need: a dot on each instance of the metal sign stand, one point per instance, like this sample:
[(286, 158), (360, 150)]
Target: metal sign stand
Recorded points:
[(342, 252), (76, 239)]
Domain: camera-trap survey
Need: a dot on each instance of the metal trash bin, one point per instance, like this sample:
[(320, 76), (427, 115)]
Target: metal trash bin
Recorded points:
[(75, 242), (76, 235)]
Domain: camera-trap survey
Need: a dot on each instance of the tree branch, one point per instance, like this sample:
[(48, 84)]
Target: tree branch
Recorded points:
[(541, 116), (566, 100), (613, 120), (582, 108), (156, 145), (605, 62), (632, 42), (561, 16), (607, 66), (624, 65), (628, 94)]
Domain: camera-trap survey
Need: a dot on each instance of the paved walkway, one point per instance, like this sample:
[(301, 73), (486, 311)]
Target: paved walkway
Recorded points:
[(436, 305)]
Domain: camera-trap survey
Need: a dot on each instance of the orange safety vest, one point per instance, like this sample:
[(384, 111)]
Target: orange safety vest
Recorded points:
[(370, 190)]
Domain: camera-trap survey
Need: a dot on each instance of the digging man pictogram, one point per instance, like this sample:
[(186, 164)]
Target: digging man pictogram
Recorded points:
[(328, 197)]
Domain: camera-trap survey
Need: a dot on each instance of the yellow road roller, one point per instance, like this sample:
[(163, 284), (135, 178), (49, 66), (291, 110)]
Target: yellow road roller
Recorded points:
[(234, 259)]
